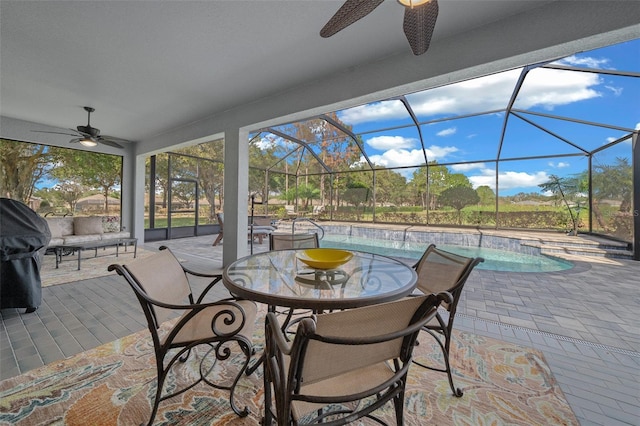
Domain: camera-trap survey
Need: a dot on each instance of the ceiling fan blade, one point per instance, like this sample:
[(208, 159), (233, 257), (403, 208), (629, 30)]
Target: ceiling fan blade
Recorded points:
[(56, 133), (349, 12), (419, 23), (114, 139), (109, 142)]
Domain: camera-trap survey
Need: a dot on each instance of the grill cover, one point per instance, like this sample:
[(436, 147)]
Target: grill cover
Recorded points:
[(24, 236)]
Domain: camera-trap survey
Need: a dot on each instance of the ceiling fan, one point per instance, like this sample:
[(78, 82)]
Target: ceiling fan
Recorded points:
[(419, 20), (90, 136)]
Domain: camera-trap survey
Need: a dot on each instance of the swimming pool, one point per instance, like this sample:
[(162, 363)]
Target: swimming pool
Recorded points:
[(494, 260)]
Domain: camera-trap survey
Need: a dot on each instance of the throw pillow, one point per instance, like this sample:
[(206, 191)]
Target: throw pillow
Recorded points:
[(110, 223)]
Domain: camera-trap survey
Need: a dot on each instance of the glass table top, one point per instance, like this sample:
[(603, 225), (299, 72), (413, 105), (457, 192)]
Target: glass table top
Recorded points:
[(279, 278)]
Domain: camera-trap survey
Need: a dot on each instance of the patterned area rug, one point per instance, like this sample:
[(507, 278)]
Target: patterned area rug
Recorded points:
[(504, 384), (90, 266)]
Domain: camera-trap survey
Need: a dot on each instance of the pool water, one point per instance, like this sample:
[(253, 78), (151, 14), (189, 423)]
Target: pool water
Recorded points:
[(494, 260)]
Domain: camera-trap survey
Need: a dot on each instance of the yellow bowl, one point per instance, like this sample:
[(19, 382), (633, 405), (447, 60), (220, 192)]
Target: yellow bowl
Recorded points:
[(324, 258)]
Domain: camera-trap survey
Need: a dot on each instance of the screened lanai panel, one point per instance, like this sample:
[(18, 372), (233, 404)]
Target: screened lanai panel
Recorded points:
[(585, 96), (312, 130), (480, 175), (394, 148), (483, 94), (464, 139), (272, 152), (525, 204), (337, 154), (183, 167), (586, 136), (376, 116), (523, 139), (353, 196), (330, 143), (612, 178)]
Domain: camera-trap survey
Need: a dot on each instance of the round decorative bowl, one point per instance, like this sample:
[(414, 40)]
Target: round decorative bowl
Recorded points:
[(324, 258)]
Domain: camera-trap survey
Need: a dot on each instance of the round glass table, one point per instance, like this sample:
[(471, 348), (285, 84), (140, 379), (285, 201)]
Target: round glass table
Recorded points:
[(280, 278)]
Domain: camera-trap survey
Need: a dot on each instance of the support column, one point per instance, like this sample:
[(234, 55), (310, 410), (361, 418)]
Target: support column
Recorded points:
[(133, 196), (236, 193), (635, 149)]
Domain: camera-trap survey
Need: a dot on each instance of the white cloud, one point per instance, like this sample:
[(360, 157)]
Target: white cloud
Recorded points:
[(611, 139), (435, 152), (398, 158), (273, 141), (509, 180), (586, 61), (459, 168), (558, 165), (638, 125), (549, 88), (617, 91), (390, 142), (264, 143), (546, 88), (378, 111), (402, 157), (447, 132)]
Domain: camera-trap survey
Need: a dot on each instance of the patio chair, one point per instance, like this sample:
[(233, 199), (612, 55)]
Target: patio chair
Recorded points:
[(317, 211), (439, 271), (338, 359), (259, 231), (162, 287), (293, 241), (291, 211), (285, 242)]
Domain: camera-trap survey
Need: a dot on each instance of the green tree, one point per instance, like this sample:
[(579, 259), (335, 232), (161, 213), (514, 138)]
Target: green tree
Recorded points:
[(70, 192), (391, 187), (92, 170), (439, 180), (486, 194), (459, 197), (567, 190), (357, 194), (209, 172), (614, 182), (303, 192), (21, 166)]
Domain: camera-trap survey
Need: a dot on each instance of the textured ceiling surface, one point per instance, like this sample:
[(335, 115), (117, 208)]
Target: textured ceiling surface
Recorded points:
[(149, 67)]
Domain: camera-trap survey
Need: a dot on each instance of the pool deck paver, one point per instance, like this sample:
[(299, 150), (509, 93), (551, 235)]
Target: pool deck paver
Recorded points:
[(584, 320)]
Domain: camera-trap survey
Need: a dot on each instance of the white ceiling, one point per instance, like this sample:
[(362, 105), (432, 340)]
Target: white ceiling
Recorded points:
[(149, 67)]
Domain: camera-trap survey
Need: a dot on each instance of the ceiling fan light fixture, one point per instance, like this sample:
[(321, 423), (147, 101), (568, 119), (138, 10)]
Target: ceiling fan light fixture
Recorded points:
[(413, 3), (88, 142)]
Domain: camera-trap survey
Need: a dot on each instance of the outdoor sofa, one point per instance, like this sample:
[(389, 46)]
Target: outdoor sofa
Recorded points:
[(71, 230)]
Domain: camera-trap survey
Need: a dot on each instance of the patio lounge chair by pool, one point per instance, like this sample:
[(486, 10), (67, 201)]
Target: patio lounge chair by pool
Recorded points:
[(259, 231)]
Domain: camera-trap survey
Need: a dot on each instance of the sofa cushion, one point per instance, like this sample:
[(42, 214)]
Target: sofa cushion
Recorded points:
[(56, 242), (76, 239), (87, 225), (115, 235), (60, 226), (110, 224)]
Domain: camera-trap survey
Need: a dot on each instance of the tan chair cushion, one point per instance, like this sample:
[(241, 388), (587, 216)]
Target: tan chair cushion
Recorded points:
[(324, 360), (352, 382), (163, 278)]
